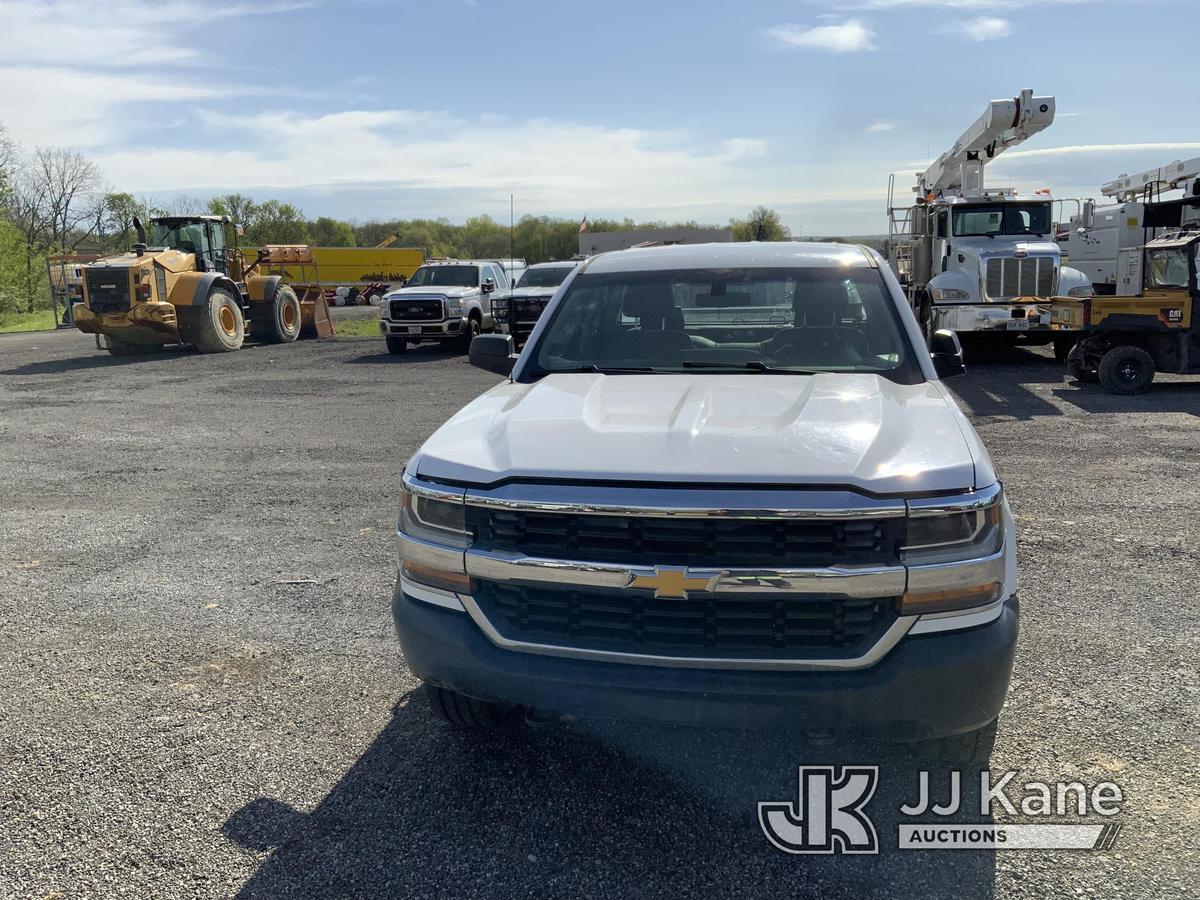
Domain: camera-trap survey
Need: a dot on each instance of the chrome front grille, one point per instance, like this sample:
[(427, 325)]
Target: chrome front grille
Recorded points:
[(681, 541), (427, 310), (750, 626), (1032, 276)]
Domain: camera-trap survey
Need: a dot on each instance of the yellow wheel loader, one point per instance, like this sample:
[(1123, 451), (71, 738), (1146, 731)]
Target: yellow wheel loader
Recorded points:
[(188, 282)]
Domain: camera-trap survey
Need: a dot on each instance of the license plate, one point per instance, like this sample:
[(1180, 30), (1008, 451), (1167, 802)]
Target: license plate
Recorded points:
[(414, 329), (1018, 324)]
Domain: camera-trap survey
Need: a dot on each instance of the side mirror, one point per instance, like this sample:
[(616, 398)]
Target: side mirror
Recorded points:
[(493, 353), (947, 354), (489, 285)]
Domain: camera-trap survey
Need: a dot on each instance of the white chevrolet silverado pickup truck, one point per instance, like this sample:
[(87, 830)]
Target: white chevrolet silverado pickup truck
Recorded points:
[(721, 484)]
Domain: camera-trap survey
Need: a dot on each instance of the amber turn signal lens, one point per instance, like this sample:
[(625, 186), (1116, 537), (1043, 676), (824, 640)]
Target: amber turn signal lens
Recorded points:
[(917, 602), (444, 579)]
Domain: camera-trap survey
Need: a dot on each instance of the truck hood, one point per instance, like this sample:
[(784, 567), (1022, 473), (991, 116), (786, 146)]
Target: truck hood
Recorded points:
[(1007, 246), (854, 430), (523, 292), (424, 292)]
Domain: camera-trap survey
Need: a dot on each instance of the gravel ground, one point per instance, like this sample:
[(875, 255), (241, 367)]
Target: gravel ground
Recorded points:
[(201, 693)]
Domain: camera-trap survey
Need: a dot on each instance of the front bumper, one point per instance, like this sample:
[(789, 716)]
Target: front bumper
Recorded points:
[(424, 331), (1009, 318), (153, 322), (927, 686)]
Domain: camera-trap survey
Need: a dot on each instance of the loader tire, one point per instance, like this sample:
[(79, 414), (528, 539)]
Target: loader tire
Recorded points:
[(119, 347), (276, 321), (1125, 369), (217, 326)]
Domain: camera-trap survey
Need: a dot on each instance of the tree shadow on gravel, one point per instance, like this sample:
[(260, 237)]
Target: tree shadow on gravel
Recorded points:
[(594, 809), (411, 355), (1160, 397), (99, 360)]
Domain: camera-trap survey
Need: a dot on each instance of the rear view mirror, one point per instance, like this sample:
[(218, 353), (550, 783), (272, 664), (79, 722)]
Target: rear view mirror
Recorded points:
[(947, 354), (493, 353), (489, 285)]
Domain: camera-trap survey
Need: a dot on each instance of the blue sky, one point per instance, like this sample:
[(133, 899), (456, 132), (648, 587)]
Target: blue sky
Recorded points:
[(655, 110)]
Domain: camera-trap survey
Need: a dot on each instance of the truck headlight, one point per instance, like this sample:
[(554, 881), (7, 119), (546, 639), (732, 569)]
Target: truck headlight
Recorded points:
[(437, 518), (955, 553), (500, 310), (943, 295), (1083, 290), (454, 306)]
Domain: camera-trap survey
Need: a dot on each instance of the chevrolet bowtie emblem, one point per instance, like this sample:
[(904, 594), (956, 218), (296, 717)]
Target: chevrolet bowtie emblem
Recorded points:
[(669, 582)]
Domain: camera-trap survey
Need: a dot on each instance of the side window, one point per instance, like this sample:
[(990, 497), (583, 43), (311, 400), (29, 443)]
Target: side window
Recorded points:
[(500, 277)]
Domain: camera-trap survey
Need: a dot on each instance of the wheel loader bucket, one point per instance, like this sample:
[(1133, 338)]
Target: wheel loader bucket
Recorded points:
[(314, 312)]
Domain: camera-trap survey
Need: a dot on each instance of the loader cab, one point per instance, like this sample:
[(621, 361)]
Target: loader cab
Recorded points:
[(204, 236), (1171, 263)]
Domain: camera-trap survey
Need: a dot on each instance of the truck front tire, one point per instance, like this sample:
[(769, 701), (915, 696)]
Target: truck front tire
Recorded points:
[(1125, 370), (276, 321), (215, 327), (471, 714), (396, 345)]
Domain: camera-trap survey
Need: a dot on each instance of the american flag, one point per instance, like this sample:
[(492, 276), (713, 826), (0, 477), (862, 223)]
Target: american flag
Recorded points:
[(583, 224)]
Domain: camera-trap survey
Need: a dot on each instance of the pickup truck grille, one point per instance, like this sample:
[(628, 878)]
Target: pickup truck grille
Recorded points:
[(1009, 277), (746, 626), (107, 289), (416, 311), (682, 541)]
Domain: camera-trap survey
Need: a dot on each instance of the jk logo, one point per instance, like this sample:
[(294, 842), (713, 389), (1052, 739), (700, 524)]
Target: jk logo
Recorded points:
[(828, 816)]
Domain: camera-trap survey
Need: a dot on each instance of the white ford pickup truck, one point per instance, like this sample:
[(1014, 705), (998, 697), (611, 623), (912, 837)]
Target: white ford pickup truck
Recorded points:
[(721, 484)]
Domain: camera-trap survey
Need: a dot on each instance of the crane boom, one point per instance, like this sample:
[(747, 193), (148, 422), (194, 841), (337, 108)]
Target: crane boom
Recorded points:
[(1173, 176), (1003, 125)]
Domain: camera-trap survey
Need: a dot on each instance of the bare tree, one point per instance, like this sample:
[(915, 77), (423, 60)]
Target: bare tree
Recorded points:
[(8, 156), (74, 194), (181, 205), (27, 207)]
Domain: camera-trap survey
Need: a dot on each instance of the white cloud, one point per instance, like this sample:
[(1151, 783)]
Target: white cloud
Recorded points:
[(50, 105), (850, 36), (1077, 149), (575, 163), (880, 127), (125, 34), (985, 28)]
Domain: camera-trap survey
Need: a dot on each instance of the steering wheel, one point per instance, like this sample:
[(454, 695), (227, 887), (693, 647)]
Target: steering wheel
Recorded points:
[(824, 347)]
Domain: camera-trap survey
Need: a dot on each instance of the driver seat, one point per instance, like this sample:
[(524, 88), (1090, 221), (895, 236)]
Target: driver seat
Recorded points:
[(660, 324)]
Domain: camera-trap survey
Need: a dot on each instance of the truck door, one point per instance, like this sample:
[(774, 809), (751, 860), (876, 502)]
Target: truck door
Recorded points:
[(218, 253), (941, 241)]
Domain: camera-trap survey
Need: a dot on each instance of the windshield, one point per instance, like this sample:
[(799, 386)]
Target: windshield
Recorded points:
[(445, 276), (551, 276), (1167, 268), (189, 238), (1002, 218), (728, 320)]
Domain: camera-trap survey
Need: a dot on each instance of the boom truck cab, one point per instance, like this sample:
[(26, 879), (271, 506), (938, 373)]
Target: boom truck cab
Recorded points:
[(187, 281), (979, 259)]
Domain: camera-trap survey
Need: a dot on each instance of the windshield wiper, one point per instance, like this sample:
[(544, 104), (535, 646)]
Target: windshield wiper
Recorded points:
[(753, 365), (602, 370)]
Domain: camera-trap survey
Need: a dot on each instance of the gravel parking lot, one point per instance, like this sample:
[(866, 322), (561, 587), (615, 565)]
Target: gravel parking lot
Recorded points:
[(201, 693)]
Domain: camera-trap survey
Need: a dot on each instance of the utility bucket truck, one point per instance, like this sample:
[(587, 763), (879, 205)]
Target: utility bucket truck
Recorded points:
[(975, 259), (1099, 236)]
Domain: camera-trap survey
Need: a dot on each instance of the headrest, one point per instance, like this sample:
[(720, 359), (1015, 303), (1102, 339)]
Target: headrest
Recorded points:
[(647, 301)]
